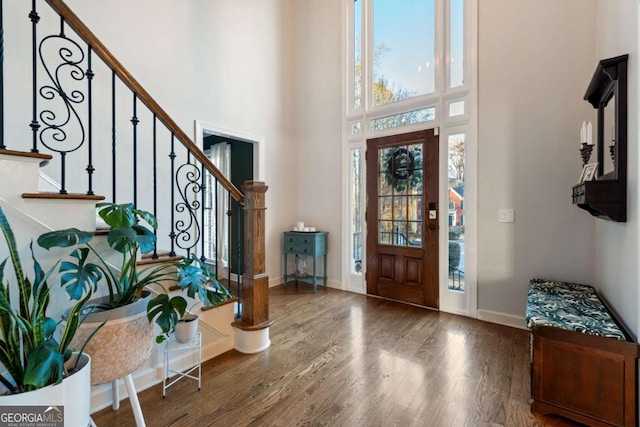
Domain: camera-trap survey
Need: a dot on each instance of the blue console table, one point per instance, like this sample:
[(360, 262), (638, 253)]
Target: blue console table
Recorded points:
[(313, 244)]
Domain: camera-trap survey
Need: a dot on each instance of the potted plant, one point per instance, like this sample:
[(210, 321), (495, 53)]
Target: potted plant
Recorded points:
[(171, 315), (39, 366), (128, 304)]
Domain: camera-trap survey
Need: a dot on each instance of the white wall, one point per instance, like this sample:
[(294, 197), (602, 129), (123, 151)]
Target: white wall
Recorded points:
[(223, 62), (535, 62), (616, 257), (318, 136)]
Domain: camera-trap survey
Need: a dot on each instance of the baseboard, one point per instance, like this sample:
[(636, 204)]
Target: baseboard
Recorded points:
[(456, 311), (502, 319)]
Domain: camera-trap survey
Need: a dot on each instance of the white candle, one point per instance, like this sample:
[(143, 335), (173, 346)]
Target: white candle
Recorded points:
[(583, 133), (589, 134)]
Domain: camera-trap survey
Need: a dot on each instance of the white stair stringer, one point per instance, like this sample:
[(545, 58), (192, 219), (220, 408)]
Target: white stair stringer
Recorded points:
[(21, 175)]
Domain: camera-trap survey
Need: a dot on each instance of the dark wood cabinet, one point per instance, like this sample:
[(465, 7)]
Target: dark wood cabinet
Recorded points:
[(606, 197)]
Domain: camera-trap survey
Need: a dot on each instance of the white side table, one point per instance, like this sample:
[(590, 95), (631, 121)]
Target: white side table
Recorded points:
[(174, 346)]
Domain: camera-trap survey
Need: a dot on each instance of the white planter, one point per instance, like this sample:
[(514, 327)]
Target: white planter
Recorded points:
[(74, 394), (186, 328)]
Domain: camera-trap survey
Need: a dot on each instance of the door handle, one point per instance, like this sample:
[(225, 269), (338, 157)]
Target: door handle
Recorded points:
[(432, 226)]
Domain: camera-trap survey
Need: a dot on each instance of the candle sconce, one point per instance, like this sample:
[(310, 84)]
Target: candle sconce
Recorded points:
[(606, 196), (585, 152)]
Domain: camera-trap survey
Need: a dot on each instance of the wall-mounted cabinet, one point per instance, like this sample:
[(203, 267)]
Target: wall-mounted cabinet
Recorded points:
[(606, 196)]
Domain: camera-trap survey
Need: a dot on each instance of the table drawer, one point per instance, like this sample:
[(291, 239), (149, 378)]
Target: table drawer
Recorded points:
[(305, 243)]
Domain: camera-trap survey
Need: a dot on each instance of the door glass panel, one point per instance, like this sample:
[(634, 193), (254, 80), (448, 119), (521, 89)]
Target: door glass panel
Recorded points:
[(385, 232), (400, 195), (415, 233), (386, 212), (456, 211), (403, 49)]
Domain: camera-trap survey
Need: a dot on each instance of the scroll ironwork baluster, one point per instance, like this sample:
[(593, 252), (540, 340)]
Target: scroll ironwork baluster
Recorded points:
[(188, 181), (62, 131), (89, 73), (134, 122), (34, 125), (172, 234)]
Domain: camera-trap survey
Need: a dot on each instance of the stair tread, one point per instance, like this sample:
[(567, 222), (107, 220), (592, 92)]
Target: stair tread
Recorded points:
[(44, 158), (148, 259), (58, 196)]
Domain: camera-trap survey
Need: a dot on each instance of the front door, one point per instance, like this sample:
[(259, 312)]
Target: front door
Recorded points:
[(402, 217)]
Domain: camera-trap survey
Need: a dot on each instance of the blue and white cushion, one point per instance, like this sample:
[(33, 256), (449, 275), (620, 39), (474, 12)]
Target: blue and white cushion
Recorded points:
[(569, 306)]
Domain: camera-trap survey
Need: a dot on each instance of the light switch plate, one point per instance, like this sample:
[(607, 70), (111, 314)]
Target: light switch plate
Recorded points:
[(506, 215)]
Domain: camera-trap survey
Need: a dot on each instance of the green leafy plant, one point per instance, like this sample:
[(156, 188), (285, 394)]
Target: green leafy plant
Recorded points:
[(128, 236), (32, 351)]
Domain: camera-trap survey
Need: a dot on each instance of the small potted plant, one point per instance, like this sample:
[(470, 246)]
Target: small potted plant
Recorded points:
[(170, 313), (128, 289), (39, 366)]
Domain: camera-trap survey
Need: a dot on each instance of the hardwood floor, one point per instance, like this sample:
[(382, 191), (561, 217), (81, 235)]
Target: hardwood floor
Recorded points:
[(342, 359)]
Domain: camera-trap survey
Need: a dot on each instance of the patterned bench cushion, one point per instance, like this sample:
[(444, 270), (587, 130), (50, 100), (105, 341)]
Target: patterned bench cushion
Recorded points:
[(569, 306)]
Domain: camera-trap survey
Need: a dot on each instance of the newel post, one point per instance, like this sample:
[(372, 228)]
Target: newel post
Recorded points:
[(252, 332)]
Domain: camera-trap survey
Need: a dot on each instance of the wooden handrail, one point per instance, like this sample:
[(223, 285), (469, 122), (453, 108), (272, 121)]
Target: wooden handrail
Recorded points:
[(100, 49)]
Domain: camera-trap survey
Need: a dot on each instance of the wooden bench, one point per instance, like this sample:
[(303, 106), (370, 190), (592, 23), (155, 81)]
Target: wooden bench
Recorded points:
[(583, 362)]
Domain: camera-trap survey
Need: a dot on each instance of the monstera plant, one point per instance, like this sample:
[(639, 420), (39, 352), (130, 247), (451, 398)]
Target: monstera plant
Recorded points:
[(132, 232)]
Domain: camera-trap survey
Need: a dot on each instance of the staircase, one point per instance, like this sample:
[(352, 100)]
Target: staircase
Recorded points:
[(77, 128)]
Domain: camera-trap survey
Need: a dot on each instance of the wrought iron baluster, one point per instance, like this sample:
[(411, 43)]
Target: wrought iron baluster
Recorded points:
[(89, 73), (113, 137), (172, 234), (239, 268), (228, 242), (2, 146), (34, 125), (203, 188), (155, 187), (215, 231), (134, 122)]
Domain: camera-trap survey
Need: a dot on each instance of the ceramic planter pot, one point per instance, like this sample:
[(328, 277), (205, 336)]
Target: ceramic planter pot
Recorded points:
[(122, 345), (73, 393), (186, 328)]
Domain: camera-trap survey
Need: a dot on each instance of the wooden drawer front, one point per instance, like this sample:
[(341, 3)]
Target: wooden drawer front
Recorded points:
[(304, 243)]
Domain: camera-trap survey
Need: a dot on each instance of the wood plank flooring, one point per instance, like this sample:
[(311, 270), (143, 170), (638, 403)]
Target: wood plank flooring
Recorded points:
[(342, 359)]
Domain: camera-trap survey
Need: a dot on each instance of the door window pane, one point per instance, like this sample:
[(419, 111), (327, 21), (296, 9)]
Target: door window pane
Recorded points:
[(403, 49), (456, 55), (400, 195), (456, 211)]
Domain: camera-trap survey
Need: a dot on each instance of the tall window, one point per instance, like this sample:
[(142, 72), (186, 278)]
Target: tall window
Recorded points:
[(408, 68)]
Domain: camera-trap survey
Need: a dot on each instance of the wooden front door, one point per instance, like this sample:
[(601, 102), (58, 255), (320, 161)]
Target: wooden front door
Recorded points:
[(402, 219)]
